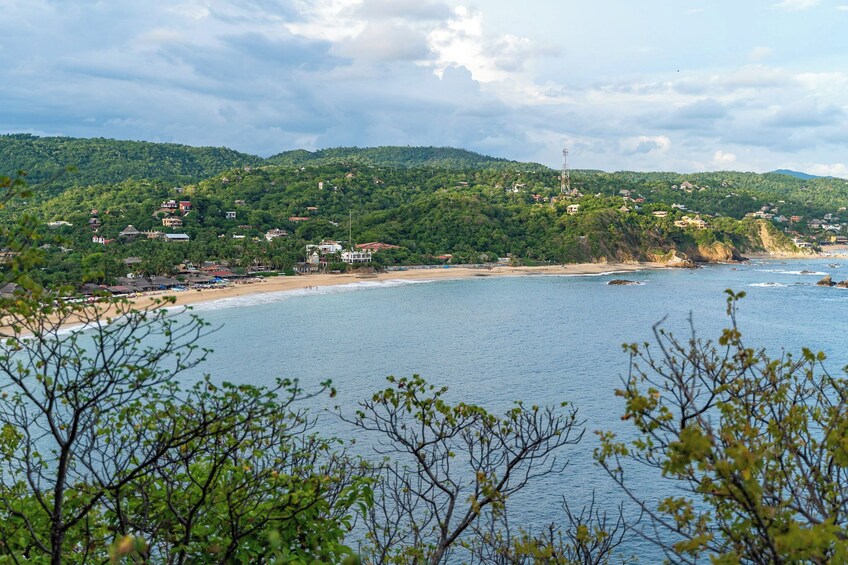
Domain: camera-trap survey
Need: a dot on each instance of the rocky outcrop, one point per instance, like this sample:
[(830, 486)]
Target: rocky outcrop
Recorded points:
[(673, 258), (622, 282), (842, 284), (718, 252), (826, 281)]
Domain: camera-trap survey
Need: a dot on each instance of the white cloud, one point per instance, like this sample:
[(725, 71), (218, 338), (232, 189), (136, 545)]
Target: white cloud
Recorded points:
[(723, 159), (462, 41), (795, 5), (832, 170)]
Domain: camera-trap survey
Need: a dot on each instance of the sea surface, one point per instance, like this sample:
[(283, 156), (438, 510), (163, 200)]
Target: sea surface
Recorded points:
[(541, 339)]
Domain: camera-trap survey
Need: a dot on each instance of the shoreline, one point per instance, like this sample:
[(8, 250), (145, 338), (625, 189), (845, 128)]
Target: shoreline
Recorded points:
[(281, 284), (300, 282)]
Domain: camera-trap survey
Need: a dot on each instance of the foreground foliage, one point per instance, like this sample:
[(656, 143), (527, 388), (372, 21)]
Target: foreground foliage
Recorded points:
[(450, 470), (755, 446)]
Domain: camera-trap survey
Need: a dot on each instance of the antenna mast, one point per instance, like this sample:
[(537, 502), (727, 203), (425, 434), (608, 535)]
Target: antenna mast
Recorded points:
[(565, 176)]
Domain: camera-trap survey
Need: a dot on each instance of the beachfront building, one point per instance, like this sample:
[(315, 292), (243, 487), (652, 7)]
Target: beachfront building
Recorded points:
[(352, 257)]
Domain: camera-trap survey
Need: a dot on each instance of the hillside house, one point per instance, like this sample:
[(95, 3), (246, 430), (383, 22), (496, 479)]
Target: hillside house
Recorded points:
[(169, 206), (660, 213), (172, 222), (326, 247), (572, 209), (129, 232), (689, 222), (185, 206), (176, 237), (230, 214), (275, 233), (94, 224)]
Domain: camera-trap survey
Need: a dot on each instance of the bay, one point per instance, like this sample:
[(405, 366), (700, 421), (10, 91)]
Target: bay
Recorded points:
[(541, 339)]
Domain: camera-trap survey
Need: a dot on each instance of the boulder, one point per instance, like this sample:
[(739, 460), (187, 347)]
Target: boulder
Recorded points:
[(843, 284), (621, 282), (826, 281)]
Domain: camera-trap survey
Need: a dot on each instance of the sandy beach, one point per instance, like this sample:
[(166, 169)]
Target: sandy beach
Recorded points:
[(289, 283), (280, 284)]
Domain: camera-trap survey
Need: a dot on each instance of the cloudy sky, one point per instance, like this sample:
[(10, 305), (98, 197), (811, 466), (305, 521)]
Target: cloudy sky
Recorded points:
[(682, 85)]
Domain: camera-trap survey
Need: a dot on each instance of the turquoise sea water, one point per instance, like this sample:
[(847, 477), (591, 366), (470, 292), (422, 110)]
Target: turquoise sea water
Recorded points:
[(542, 339)]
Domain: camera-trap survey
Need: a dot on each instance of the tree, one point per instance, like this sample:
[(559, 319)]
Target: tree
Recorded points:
[(756, 444), (449, 464), (100, 444)]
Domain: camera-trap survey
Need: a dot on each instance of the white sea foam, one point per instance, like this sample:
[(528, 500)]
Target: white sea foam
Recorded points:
[(802, 273), (769, 284), (271, 297), (567, 275)]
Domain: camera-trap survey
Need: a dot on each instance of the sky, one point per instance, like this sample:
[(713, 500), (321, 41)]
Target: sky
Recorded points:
[(672, 85)]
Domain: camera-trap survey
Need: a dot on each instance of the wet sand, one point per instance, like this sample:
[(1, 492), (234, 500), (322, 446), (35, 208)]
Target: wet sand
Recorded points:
[(281, 284)]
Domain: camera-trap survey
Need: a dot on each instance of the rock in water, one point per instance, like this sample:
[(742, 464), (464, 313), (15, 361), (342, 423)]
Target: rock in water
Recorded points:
[(621, 282), (826, 281), (843, 284)]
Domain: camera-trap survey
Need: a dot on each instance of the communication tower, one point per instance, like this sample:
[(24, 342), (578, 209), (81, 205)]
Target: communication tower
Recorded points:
[(565, 177)]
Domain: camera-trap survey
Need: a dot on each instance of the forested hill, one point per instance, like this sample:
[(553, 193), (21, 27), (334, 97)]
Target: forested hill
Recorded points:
[(394, 156), (106, 161)]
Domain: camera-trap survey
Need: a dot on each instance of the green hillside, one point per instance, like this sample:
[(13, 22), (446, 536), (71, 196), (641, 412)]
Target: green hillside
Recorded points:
[(99, 161), (430, 204)]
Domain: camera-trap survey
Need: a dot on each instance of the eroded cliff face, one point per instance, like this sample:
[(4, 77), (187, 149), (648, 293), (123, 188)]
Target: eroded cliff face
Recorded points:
[(777, 243), (761, 238), (717, 252), (672, 258)]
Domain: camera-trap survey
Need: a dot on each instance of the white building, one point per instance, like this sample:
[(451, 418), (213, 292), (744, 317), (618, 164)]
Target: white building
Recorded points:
[(326, 247), (352, 257)]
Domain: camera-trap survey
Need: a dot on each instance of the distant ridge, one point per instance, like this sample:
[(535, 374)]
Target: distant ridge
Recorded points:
[(107, 161), (797, 174), (391, 156)]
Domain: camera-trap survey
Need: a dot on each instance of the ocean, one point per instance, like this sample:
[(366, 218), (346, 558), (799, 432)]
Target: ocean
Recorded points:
[(541, 339)]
